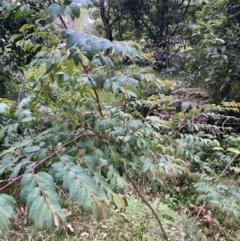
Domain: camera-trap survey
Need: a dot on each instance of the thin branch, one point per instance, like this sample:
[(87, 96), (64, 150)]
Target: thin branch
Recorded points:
[(229, 164), (94, 89), (116, 19), (141, 18), (186, 8), (86, 71), (61, 19), (98, 101), (199, 212), (53, 154), (63, 22), (150, 207)]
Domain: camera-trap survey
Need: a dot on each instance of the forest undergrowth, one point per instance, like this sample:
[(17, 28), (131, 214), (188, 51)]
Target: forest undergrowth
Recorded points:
[(96, 143)]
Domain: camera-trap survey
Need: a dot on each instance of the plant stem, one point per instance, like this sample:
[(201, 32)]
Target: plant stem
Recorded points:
[(150, 207), (86, 71), (230, 163)]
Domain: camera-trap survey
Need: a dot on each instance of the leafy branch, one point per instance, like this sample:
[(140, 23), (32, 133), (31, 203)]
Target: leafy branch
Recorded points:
[(86, 72), (53, 154)]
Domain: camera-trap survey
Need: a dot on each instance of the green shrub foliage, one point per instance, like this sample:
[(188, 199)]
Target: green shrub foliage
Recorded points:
[(61, 134), (214, 58), (81, 123)]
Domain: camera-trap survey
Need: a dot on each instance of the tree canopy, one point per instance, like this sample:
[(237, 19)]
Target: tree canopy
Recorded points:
[(152, 22), (215, 57)]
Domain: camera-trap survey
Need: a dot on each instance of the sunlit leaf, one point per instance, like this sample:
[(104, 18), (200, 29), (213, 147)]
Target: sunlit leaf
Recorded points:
[(234, 150), (119, 202)]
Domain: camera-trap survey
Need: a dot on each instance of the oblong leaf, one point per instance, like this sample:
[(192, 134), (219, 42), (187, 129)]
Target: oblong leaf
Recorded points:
[(234, 150), (119, 202), (30, 149)]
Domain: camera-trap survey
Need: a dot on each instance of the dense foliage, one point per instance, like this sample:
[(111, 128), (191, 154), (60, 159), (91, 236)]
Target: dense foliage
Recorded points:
[(154, 23), (85, 124), (13, 17), (214, 59)]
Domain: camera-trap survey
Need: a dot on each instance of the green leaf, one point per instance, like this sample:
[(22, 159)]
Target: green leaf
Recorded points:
[(4, 108), (95, 211), (68, 177), (45, 181), (235, 169), (100, 210), (39, 213), (31, 149), (105, 60), (34, 194), (146, 165), (73, 10), (85, 3), (51, 67), (113, 183), (53, 11), (74, 189), (2, 134), (234, 150), (10, 150), (41, 155), (218, 148), (15, 171), (7, 205), (38, 192), (121, 182), (23, 29), (8, 8), (27, 183), (27, 119), (87, 202), (98, 80), (89, 45), (119, 202)]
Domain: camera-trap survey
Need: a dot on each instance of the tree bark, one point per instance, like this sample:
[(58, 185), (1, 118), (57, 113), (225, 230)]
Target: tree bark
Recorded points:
[(106, 20)]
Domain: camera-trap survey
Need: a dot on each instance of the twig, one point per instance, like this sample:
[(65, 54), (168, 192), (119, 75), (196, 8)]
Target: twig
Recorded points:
[(200, 210), (60, 17), (51, 155), (49, 237), (94, 89), (229, 164), (150, 207), (86, 71), (63, 22)]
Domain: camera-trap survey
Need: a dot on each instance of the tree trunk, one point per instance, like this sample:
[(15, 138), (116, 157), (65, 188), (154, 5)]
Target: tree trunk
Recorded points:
[(106, 20)]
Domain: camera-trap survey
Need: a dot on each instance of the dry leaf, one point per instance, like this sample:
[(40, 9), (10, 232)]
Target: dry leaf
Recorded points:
[(207, 218), (70, 227)]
